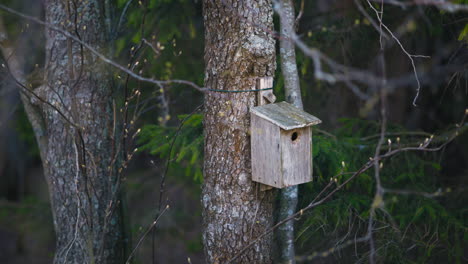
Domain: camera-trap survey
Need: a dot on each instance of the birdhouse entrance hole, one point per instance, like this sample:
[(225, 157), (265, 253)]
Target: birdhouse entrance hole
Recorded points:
[(294, 136)]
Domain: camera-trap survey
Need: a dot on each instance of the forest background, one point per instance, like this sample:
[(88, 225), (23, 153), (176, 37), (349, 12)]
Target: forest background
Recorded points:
[(422, 228)]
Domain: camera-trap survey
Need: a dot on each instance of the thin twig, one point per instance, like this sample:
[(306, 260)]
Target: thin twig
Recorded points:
[(100, 55), (423, 147), (410, 56), (146, 233)]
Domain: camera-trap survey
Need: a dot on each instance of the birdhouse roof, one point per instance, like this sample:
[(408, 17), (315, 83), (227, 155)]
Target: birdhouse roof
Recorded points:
[(285, 115)]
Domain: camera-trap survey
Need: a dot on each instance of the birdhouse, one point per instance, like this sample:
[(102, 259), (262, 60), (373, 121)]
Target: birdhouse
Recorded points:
[(281, 142)]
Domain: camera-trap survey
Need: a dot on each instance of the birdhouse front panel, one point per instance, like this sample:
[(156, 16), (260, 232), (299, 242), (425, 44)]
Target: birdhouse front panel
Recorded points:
[(296, 156)]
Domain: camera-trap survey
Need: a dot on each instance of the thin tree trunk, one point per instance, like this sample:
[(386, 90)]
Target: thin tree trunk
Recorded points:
[(288, 196), (238, 48)]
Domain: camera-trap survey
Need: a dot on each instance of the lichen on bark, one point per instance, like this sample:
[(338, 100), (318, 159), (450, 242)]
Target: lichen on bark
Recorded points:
[(78, 159), (238, 49)]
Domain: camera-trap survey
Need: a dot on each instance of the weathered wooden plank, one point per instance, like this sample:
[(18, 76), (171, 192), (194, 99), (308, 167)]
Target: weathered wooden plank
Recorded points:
[(266, 152), (264, 82), (285, 115), (266, 96), (296, 156)]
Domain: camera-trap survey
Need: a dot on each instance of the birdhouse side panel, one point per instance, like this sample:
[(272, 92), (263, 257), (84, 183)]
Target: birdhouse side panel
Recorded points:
[(296, 156), (266, 149)]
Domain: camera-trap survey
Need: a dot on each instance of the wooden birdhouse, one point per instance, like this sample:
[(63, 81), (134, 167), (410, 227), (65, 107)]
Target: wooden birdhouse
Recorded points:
[(281, 142)]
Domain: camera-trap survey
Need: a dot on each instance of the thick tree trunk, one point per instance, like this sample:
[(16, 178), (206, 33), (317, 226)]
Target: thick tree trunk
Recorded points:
[(238, 48), (78, 156)]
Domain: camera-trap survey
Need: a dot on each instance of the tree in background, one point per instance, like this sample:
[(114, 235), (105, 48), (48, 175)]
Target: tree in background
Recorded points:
[(72, 115)]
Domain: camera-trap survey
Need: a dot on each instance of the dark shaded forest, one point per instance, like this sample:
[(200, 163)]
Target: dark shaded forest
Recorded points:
[(388, 80)]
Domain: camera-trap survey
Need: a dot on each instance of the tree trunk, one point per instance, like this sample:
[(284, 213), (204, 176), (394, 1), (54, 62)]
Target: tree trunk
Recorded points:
[(288, 197), (238, 48), (78, 152)]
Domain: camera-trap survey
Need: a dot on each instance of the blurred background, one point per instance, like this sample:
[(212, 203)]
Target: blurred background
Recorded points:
[(420, 229)]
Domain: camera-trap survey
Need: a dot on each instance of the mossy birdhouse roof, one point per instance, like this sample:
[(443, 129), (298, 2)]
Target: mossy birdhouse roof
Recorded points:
[(285, 115)]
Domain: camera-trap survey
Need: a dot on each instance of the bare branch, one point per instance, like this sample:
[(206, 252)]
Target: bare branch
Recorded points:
[(149, 229), (410, 56), (318, 200), (100, 55), (440, 4)]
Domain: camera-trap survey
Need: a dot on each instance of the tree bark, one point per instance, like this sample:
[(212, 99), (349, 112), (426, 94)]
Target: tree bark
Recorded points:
[(239, 48), (79, 156), (288, 196), (72, 118)]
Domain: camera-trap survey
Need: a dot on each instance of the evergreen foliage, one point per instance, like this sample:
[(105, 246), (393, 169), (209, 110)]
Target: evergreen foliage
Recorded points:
[(415, 230), (184, 147)]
